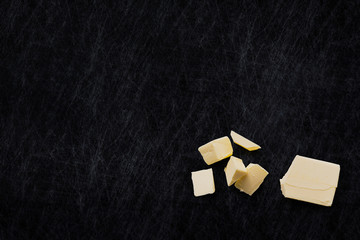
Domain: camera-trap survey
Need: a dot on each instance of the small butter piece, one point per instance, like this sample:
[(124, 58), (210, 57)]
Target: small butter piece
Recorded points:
[(235, 170), (243, 142), (203, 182), (252, 181), (311, 180), (216, 150)]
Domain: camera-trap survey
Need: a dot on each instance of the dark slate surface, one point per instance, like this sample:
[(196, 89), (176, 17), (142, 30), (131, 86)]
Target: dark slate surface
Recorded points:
[(103, 108)]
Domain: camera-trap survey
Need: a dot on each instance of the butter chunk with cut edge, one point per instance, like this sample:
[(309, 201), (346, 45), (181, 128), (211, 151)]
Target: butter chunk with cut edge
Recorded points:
[(252, 181), (234, 170), (311, 180), (203, 182), (243, 142), (216, 150)]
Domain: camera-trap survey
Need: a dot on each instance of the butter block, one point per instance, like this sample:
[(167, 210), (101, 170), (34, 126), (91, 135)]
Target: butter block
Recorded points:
[(203, 182), (243, 142), (252, 181), (234, 170), (311, 180), (216, 150)]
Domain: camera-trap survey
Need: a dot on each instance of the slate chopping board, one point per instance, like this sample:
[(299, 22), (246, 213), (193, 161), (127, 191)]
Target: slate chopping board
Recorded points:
[(103, 107)]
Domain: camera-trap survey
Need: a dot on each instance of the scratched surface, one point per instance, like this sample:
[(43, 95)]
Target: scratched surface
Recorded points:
[(103, 108)]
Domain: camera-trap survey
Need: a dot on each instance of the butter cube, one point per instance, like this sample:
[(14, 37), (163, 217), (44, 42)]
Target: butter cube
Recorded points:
[(203, 182), (234, 170), (252, 181), (243, 142), (216, 150), (311, 180)]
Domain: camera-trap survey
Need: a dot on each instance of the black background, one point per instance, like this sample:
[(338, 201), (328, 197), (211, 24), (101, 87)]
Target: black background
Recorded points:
[(103, 107)]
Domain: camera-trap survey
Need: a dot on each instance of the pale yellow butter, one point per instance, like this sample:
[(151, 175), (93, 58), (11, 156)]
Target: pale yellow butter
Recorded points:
[(203, 182), (216, 150), (253, 179), (311, 180), (243, 142), (235, 170)]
